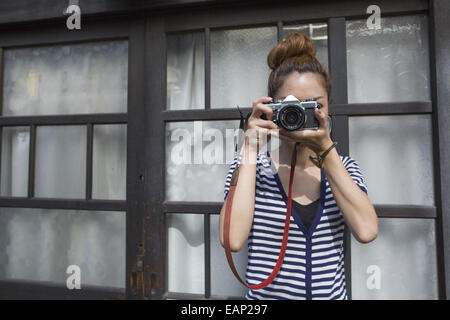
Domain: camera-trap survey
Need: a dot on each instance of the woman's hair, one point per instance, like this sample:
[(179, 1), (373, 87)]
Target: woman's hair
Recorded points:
[(295, 53)]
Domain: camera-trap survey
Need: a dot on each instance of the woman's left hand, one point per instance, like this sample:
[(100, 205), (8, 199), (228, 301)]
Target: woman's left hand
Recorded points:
[(317, 140)]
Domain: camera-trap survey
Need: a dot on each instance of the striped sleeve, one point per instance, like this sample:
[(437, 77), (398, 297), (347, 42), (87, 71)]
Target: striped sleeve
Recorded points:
[(355, 172), (233, 166)]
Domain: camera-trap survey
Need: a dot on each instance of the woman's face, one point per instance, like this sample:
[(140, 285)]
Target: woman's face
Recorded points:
[(303, 86)]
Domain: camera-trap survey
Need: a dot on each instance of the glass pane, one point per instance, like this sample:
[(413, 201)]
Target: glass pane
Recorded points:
[(316, 31), (223, 282), (15, 154), (186, 71), (109, 162), (40, 244), (186, 253), (65, 79), (198, 156), (389, 64), (396, 158), (60, 162), (239, 70), (399, 264)]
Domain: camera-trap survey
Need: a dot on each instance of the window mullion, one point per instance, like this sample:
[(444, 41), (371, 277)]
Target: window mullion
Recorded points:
[(405, 211), (207, 241), (279, 31), (337, 64), (207, 69), (31, 161), (89, 152)]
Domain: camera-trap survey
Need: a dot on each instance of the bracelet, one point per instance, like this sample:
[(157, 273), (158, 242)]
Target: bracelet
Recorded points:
[(318, 161)]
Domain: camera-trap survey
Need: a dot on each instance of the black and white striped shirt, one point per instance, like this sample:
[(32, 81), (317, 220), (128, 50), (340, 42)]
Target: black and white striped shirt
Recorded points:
[(313, 267)]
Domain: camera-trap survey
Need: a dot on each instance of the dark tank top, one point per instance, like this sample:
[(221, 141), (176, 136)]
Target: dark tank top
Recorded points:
[(306, 213)]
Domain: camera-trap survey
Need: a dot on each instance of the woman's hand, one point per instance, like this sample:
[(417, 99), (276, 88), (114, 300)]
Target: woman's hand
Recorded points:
[(260, 128), (317, 140), (243, 206)]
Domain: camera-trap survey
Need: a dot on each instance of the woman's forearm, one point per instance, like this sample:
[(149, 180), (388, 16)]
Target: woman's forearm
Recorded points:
[(354, 204), (243, 202)]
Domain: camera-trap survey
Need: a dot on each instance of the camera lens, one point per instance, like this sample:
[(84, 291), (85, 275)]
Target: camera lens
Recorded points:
[(292, 117)]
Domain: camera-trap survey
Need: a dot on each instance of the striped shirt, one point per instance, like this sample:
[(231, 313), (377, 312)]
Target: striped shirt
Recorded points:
[(313, 267)]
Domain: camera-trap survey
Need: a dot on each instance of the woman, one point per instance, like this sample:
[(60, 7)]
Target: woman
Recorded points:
[(324, 195)]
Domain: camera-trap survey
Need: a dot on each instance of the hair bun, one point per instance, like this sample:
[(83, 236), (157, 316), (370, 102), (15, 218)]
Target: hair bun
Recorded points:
[(295, 46)]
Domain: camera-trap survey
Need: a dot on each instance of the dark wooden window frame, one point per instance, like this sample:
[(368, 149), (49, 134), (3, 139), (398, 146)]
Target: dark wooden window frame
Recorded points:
[(341, 110), (145, 207), (54, 35)]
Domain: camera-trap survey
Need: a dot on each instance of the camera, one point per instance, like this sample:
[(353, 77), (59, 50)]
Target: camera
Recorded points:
[(295, 115)]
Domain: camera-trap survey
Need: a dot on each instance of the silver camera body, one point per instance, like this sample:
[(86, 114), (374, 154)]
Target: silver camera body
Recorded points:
[(295, 115)]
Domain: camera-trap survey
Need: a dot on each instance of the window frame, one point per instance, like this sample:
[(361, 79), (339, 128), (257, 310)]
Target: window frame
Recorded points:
[(146, 28), (55, 35), (340, 108)]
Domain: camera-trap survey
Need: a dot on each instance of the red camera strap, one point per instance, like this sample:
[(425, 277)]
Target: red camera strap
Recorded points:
[(226, 232)]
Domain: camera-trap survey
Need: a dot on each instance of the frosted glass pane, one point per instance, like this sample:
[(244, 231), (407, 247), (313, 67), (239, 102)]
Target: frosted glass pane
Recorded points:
[(198, 156), (109, 162), (15, 155), (39, 245), (389, 64), (186, 253), (186, 71), (66, 79), (239, 70), (399, 264), (223, 281), (60, 162), (318, 32), (395, 155)]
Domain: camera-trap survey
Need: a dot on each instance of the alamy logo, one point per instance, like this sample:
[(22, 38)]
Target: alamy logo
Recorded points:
[(73, 22), (211, 145), (74, 279), (373, 281), (374, 20)]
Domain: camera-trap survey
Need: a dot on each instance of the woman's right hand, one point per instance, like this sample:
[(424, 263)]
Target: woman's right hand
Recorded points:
[(244, 197), (260, 128)]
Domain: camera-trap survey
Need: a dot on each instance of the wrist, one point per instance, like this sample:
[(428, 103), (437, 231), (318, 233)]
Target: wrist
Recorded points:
[(330, 158), (323, 146), (321, 156), (250, 152)]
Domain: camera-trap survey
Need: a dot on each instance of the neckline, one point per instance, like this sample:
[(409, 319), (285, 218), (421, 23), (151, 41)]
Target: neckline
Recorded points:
[(319, 212), (308, 204)]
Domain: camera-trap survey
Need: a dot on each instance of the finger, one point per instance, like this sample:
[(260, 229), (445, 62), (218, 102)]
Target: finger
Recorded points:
[(322, 118), (277, 134), (297, 135), (264, 123), (258, 133), (274, 133), (261, 100), (259, 108)]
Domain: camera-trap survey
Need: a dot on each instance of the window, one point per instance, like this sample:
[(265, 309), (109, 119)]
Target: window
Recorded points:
[(95, 125), (386, 106), (391, 65), (63, 164)]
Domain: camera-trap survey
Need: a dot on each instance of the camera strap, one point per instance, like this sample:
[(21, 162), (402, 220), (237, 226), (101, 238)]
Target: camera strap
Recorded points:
[(241, 133), (226, 231)]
